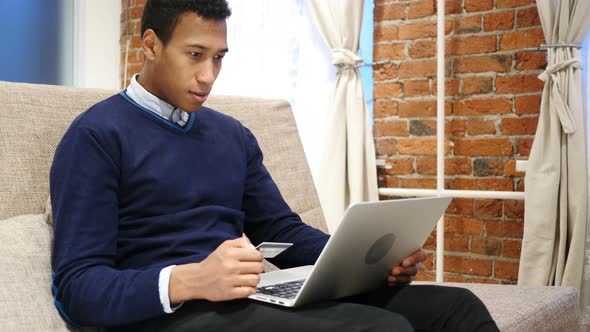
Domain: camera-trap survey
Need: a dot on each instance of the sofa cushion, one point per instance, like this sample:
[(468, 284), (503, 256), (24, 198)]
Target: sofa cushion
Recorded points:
[(528, 309), (25, 295), (34, 119)]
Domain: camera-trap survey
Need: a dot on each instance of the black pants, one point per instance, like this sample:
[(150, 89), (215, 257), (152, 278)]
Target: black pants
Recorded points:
[(410, 308)]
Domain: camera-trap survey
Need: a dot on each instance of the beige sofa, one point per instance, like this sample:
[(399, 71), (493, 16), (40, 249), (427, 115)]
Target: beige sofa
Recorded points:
[(33, 119)]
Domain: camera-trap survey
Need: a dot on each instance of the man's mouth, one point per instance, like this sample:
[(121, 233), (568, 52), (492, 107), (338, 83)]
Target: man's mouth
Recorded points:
[(199, 96)]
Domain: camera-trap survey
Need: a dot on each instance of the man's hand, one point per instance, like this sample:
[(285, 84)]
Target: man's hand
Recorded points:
[(406, 271), (230, 272)]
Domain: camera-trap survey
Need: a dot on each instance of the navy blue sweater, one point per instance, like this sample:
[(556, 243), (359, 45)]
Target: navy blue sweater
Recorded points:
[(133, 193)]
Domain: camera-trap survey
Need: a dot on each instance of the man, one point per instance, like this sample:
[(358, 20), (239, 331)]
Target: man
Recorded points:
[(152, 192)]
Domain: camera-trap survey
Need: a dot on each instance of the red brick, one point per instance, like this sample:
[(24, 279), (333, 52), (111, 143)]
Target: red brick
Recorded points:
[(452, 86), (456, 242), (422, 49), (417, 183), (419, 68), (400, 166), (528, 17), (488, 208), (421, 8), (506, 270), (386, 146), (455, 128), (478, 5), (453, 7), (519, 126), (510, 169), (479, 126), (471, 45), (461, 225), (514, 209), (419, 146), (516, 40), (384, 109), (484, 106), (467, 265), (453, 166), (461, 206), (385, 32), (494, 184), (531, 60), (483, 147), (395, 11), (412, 31), (425, 276), (391, 128), (413, 88), (428, 264), (468, 24), (485, 246), (384, 72), (509, 229), (382, 52), (135, 12), (523, 146), (477, 85), (512, 3), (423, 127), (387, 90), (511, 248), (520, 185), (498, 21), (518, 84), (481, 64), (527, 104), (417, 108), (389, 182), (483, 167)]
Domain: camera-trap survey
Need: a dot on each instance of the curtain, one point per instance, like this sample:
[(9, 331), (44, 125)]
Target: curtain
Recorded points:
[(556, 191), (347, 172), (275, 51)]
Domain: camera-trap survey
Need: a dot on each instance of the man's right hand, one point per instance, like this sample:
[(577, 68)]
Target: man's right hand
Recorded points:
[(230, 272)]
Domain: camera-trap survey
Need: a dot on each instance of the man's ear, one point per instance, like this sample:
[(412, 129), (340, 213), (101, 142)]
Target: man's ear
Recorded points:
[(151, 44)]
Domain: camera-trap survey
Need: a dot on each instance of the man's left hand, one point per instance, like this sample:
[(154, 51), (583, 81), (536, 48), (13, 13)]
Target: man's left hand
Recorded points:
[(407, 270)]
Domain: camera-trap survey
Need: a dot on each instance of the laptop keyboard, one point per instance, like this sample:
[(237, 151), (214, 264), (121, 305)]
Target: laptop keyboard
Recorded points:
[(286, 290)]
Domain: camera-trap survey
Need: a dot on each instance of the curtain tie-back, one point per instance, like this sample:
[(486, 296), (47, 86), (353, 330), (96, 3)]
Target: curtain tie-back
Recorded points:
[(557, 94), (345, 59)]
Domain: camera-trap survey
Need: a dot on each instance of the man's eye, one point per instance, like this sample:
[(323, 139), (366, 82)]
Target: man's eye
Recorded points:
[(195, 54), (220, 57)]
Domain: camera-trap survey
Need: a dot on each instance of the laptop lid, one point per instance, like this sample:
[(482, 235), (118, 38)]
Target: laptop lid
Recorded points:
[(371, 239)]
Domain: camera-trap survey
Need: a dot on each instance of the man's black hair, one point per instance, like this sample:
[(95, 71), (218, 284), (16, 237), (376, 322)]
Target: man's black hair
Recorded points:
[(162, 16)]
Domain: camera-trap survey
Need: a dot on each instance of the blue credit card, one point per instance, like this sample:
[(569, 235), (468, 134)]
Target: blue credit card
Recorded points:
[(272, 249)]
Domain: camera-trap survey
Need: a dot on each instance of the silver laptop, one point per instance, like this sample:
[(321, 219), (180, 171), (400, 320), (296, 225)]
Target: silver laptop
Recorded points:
[(371, 239)]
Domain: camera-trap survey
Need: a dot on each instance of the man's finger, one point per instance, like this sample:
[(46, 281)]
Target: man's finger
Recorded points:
[(417, 257)]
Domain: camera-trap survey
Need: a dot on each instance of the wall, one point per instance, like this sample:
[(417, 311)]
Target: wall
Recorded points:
[(131, 34), (96, 43), (492, 104)]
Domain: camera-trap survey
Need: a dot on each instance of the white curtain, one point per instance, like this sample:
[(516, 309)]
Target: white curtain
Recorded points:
[(275, 51), (556, 191), (347, 169)]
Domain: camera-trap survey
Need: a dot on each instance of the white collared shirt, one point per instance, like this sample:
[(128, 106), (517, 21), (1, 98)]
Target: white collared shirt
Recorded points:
[(147, 100)]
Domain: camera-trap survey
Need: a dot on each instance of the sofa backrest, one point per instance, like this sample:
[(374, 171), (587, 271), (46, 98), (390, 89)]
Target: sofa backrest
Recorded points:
[(33, 119)]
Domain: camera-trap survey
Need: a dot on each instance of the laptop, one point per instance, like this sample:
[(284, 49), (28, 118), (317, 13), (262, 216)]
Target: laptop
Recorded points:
[(372, 238)]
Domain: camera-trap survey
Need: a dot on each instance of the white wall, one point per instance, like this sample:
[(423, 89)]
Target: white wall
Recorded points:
[(97, 29)]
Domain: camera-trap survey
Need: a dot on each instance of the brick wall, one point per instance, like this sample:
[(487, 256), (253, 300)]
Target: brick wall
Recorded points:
[(493, 98), (131, 31)]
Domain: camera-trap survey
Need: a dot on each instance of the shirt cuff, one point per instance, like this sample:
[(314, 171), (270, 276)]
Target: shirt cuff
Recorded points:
[(164, 285)]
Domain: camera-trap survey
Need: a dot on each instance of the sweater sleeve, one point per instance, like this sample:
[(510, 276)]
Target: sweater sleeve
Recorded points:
[(88, 288), (269, 217)]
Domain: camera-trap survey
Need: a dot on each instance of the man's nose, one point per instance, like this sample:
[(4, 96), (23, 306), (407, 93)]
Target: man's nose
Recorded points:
[(207, 73)]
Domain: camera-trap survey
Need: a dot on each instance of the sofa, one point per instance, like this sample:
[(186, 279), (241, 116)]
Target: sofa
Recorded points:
[(33, 119)]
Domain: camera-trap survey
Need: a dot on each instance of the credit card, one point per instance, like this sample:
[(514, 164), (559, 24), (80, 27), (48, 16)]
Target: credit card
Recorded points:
[(272, 249)]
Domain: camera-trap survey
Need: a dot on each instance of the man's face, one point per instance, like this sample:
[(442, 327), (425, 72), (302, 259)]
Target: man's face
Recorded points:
[(185, 69)]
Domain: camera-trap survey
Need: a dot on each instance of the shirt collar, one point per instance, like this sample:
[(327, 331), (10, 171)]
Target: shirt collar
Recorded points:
[(147, 100)]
